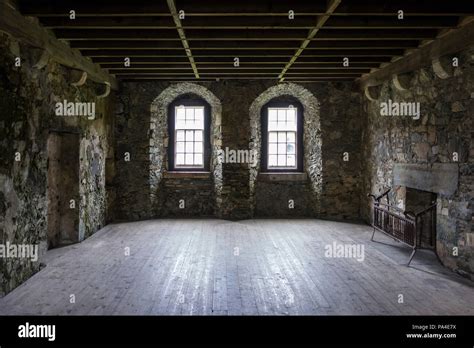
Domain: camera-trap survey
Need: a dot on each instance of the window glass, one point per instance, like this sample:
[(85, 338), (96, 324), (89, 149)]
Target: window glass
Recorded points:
[(189, 142), (282, 135)]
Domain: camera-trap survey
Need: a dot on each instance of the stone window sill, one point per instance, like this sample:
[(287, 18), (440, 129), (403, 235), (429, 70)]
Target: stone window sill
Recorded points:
[(282, 176), (192, 175)]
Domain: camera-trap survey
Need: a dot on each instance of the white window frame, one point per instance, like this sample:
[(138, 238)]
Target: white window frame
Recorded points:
[(278, 132), (185, 129)]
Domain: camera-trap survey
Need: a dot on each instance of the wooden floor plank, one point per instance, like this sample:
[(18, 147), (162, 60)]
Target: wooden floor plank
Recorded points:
[(252, 267)]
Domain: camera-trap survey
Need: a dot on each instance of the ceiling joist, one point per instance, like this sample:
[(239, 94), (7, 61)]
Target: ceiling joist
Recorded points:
[(269, 39), (450, 43), (263, 22), (182, 36), (29, 32), (312, 33)]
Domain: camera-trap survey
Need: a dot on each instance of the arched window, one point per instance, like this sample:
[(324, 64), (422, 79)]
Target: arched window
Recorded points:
[(189, 119), (282, 135)]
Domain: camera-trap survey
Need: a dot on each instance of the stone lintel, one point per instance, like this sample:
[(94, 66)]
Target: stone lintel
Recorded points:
[(441, 178)]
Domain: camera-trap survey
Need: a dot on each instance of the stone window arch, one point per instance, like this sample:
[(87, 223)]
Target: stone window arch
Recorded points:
[(312, 161), (159, 137)]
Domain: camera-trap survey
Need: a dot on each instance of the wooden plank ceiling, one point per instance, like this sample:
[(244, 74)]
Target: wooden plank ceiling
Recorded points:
[(269, 44)]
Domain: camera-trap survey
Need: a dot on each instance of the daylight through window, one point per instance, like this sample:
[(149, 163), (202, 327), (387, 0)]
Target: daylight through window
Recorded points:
[(282, 128), (189, 139)]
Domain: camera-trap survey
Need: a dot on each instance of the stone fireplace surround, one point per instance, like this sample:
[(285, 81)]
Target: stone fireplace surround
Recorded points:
[(417, 186)]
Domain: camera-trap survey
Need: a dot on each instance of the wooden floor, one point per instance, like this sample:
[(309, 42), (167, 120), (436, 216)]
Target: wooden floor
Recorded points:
[(263, 267)]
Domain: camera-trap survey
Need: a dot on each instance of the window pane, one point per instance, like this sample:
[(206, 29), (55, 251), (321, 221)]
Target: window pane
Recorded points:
[(282, 148), (189, 146), (272, 126), (180, 135), (272, 160), (198, 135), (290, 160), (199, 117), (199, 113), (179, 159), (290, 148), (198, 147), (291, 125), (189, 159), (189, 135), (282, 160), (180, 112), (290, 115), (281, 137), (281, 115), (189, 114), (272, 149), (180, 147), (198, 159), (272, 115), (272, 137), (180, 124), (290, 137)]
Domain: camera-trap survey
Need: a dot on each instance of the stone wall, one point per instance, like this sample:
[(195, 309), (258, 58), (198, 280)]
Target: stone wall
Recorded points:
[(186, 196), (27, 115), (283, 199), (337, 182), (445, 127)]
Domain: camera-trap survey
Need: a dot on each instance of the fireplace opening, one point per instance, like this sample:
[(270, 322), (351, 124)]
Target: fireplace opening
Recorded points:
[(420, 204), (411, 219)]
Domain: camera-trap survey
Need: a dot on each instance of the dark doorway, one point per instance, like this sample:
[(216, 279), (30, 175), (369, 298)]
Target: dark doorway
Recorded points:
[(63, 189)]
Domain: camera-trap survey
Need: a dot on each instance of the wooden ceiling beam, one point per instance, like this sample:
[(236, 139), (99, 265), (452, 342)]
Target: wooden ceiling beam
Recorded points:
[(245, 65), (249, 60), (259, 33), (331, 7), (28, 31), (245, 53), (239, 71), (245, 8), (245, 35), (243, 45), (114, 13), (182, 36), (212, 79), (451, 43), (144, 7), (255, 23), (418, 7)]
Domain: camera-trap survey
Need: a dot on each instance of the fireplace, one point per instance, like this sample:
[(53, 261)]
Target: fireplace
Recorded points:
[(421, 185), (420, 205), (409, 216)]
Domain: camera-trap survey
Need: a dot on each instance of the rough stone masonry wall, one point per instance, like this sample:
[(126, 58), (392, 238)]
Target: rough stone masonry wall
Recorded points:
[(446, 126), (340, 129), (27, 99)]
